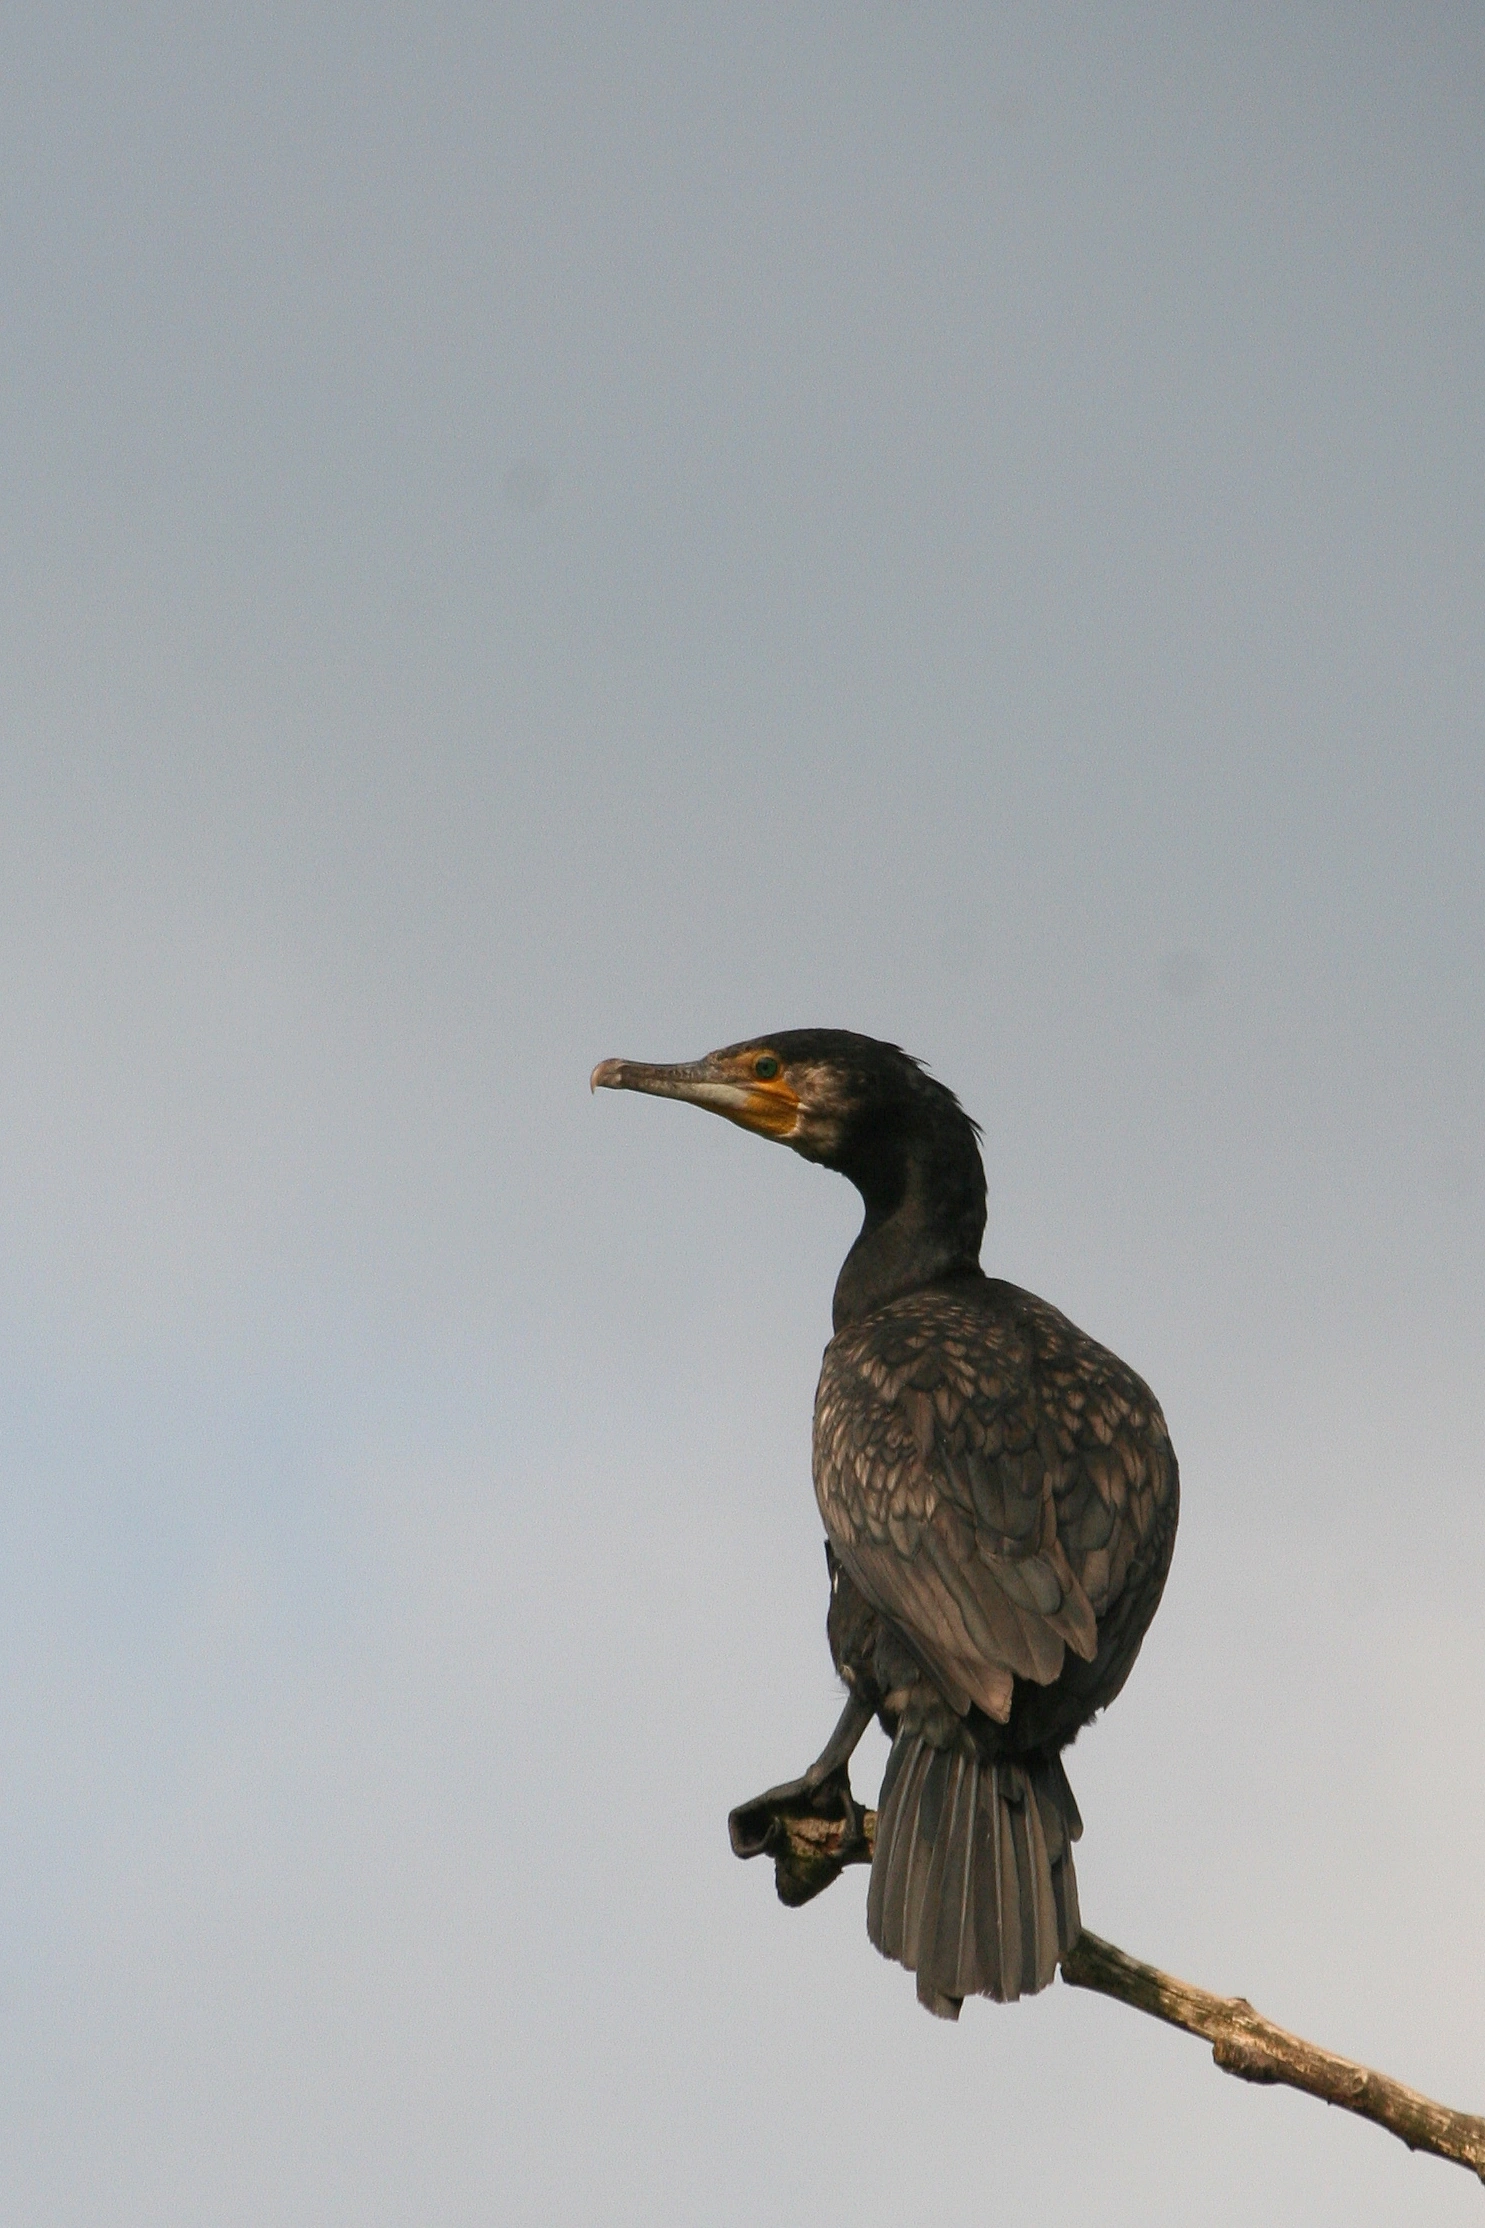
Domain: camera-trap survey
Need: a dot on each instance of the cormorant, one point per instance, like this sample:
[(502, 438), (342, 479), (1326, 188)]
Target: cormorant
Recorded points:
[(999, 1495)]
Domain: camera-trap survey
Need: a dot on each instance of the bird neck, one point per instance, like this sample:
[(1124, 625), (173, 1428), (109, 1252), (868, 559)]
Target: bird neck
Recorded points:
[(924, 1193)]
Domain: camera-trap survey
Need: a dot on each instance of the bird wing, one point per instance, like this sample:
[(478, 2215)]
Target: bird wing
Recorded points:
[(986, 1472)]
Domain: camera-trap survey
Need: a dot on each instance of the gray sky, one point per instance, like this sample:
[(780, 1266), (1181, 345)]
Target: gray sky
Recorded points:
[(529, 536)]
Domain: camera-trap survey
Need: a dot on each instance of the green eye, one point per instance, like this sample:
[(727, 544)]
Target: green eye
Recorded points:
[(765, 1067)]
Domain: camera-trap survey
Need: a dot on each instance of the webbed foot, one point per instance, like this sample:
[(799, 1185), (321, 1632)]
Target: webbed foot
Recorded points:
[(812, 1828)]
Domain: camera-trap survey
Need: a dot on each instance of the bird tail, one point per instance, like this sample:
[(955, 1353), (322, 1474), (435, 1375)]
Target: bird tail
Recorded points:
[(972, 1882)]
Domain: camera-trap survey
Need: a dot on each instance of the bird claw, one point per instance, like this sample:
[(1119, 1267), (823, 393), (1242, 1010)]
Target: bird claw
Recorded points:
[(812, 1828)]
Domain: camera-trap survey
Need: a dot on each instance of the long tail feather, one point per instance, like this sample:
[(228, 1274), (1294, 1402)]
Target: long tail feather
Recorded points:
[(972, 1882)]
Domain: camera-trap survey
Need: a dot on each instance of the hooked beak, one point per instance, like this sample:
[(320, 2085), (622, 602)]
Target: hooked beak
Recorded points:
[(770, 1108)]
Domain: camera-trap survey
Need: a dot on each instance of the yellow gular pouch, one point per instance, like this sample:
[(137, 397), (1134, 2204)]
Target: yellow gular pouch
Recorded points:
[(769, 1106)]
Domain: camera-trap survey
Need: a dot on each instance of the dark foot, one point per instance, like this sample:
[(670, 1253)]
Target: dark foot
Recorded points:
[(811, 1827)]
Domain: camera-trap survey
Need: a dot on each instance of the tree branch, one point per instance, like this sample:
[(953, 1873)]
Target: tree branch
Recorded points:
[(810, 1852), (1245, 2043)]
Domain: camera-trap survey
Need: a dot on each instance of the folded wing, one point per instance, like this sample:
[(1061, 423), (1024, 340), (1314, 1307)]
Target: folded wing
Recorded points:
[(986, 1472)]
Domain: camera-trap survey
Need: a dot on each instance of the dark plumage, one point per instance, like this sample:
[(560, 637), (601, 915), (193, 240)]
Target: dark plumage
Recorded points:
[(999, 1494)]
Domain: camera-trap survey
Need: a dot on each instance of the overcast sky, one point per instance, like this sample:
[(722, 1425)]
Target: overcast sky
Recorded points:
[(534, 535)]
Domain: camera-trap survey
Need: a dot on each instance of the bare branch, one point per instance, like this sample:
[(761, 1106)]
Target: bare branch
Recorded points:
[(1245, 2043), (810, 1852)]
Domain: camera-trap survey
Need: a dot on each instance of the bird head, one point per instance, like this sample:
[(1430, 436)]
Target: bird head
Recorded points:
[(868, 1110), (828, 1093)]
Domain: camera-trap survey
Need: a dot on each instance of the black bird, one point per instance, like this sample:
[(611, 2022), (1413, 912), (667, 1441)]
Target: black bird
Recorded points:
[(999, 1494)]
